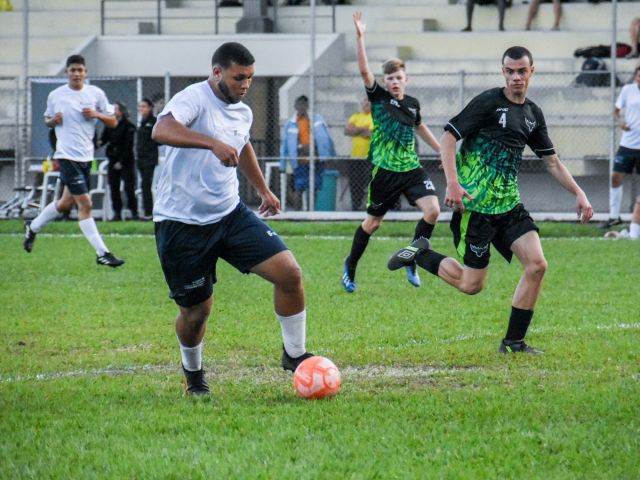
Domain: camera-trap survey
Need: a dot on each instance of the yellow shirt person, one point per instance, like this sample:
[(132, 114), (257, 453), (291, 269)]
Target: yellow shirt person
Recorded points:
[(359, 128)]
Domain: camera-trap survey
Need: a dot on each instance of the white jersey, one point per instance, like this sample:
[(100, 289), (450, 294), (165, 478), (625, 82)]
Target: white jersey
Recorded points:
[(194, 186), (75, 134), (629, 101)]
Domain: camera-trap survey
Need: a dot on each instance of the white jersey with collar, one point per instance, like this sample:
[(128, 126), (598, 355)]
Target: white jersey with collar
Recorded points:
[(194, 186), (629, 101), (75, 134)]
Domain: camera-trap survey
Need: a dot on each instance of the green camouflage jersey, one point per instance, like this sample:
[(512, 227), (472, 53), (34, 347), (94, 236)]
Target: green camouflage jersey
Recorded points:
[(495, 132), (392, 139)]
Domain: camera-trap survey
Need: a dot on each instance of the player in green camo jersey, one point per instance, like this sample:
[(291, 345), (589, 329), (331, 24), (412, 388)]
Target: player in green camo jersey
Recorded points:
[(482, 189), (397, 170)]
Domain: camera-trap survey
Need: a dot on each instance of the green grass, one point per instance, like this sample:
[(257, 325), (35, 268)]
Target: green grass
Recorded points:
[(90, 385)]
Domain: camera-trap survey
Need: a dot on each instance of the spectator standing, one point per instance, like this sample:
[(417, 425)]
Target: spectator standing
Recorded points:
[(119, 142), (73, 110), (294, 149), (147, 154), (359, 128), (502, 5), (533, 11), (634, 37), (628, 155)]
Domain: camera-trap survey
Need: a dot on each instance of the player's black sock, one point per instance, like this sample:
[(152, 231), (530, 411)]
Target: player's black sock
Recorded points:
[(518, 323), (423, 229), (359, 245), (430, 261)]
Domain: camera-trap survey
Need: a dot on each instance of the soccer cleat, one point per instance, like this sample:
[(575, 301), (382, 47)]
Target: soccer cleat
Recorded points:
[(412, 275), (348, 283), (195, 382), (109, 259), (406, 257), (517, 346), (612, 222), (290, 363), (29, 237)]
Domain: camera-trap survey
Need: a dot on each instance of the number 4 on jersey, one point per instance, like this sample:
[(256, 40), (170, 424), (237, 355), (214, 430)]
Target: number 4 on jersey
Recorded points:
[(503, 119)]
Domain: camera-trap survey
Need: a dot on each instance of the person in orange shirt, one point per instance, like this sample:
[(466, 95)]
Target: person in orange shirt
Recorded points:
[(359, 127)]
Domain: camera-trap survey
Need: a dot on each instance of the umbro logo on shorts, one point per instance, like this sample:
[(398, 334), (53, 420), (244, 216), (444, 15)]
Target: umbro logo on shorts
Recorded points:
[(479, 251), (271, 233)]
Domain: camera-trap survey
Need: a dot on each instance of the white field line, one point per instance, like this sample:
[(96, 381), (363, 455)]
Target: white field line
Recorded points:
[(263, 374), (307, 237)]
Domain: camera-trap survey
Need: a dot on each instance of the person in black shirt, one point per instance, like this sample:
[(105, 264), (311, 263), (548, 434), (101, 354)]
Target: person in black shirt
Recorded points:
[(119, 142), (147, 154), (482, 189)]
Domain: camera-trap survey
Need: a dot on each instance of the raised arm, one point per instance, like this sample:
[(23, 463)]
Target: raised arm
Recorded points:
[(556, 168), (169, 131), (248, 165), (363, 62)]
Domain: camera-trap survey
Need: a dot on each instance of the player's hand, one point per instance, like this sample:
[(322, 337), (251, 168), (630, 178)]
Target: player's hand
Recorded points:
[(454, 195), (270, 204), (226, 153), (57, 119), (584, 208), (359, 24), (89, 113), (624, 126)]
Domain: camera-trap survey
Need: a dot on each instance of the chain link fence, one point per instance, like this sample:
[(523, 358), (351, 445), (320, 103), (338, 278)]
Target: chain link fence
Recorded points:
[(579, 120)]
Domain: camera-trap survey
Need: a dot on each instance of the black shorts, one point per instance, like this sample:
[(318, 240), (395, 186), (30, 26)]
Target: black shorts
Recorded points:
[(473, 232), (626, 159), (75, 175), (386, 187), (188, 253)]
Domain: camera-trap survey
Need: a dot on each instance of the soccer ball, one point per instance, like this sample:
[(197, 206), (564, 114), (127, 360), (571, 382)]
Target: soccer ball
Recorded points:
[(316, 377)]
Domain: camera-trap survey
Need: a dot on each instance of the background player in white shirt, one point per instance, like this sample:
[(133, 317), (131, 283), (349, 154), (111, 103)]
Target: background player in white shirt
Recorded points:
[(73, 110), (200, 218), (628, 155)]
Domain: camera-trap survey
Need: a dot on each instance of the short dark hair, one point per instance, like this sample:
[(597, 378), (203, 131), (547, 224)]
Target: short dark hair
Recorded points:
[(147, 101), (302, 98), (75, 59), (232, 52), (516, 53)]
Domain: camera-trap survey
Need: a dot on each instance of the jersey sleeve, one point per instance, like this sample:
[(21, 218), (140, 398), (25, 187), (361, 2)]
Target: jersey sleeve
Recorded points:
[(376, 93), (184, 107), (50, 110), (418, 116), (621, 102), (539, 140), (471, 119), (102, 104)]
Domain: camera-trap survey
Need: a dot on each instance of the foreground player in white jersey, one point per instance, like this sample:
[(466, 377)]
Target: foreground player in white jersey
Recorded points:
[(200, 218), (73, 110)]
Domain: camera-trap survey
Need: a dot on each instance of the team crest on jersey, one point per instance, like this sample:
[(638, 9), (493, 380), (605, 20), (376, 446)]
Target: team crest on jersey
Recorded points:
[(413, 110), (530, 124), (479, 251)]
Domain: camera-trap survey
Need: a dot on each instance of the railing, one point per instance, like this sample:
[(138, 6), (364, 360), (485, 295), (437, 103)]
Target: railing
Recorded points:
[(159, 14)]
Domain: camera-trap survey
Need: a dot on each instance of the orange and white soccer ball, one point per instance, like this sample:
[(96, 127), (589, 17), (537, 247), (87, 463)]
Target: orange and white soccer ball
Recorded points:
[(316, 377)]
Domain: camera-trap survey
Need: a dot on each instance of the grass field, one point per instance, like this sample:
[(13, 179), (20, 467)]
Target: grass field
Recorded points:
[(90, 381)]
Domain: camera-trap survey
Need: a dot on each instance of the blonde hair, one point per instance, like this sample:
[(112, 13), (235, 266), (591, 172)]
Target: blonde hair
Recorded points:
[(392, 65)]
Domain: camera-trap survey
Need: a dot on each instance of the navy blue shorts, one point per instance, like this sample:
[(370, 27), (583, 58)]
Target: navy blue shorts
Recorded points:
[(386, 187), (626, 159), (473, 232), (189, 253), (75, 175)]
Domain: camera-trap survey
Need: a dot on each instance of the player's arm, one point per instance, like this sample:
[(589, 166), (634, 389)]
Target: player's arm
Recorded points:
[(248, 165), (168, 131), (109, 120), (51, 122), (361, 53), (556, 168), (616, 115), (425, 134), (454, 192)]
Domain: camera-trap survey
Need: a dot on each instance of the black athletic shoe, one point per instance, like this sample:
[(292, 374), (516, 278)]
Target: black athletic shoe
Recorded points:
[(517, 346), (29, 237), (109, 259), (406, 257), (195, 382), (612, 222), (290, 363)]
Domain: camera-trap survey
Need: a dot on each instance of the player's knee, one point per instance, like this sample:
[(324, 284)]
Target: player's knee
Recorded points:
[(371, 225), (431, 215), (291, 279), (537, 268), (472, 288)]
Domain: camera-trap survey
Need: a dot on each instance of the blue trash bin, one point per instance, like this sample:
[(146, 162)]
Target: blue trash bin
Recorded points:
[(326, 196)]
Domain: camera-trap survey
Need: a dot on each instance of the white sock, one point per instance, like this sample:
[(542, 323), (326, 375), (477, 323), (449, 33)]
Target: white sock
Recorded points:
[(634, 231), (615, 200), (49, 214), (191, 357), (90, 230), (294, 333)]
